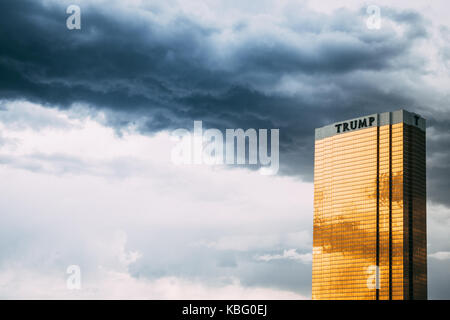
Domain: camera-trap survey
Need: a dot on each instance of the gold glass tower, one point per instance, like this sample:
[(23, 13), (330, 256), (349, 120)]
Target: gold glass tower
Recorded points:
[(370, 209)]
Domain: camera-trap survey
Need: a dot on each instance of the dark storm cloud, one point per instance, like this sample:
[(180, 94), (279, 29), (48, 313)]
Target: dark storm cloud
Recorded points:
[(163, 76)]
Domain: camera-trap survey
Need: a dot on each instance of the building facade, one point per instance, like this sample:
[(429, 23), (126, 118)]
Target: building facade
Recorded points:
[(370, 209)]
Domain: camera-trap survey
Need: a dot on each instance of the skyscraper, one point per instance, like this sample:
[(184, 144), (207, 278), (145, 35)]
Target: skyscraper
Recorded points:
[(370, 208)]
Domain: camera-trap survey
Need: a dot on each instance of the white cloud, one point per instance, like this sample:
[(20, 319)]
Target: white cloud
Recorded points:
[(440, 255), (247, 242), (287, 254), (28, 284), (22, 115), (70, 189), (114, 281)]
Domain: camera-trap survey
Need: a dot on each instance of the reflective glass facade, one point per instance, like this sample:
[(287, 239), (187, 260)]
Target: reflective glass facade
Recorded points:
[(370, 209)]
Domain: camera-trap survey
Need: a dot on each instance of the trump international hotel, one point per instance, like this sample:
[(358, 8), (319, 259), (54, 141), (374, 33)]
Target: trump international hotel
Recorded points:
[(370, 209)]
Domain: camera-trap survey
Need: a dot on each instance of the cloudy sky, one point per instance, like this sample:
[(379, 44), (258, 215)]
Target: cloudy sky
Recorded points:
[(85, 146)]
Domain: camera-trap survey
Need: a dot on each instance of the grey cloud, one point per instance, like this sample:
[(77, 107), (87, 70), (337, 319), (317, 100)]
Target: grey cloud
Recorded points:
[(438, 281), (216, 266)]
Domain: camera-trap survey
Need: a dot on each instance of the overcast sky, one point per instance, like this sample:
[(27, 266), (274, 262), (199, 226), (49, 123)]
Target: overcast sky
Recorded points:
[(86, 117)]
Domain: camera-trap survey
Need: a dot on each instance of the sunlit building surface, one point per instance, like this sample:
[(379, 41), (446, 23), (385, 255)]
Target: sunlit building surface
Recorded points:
[(370, 209)]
